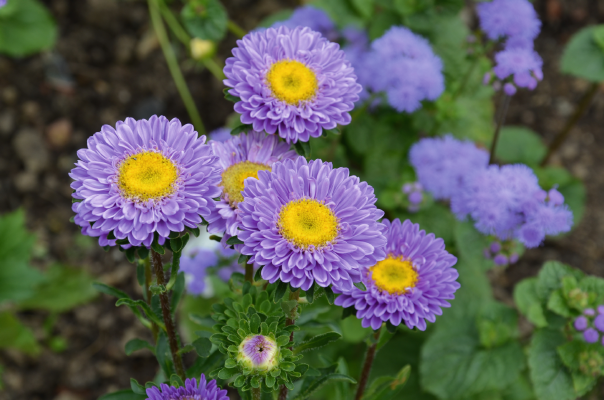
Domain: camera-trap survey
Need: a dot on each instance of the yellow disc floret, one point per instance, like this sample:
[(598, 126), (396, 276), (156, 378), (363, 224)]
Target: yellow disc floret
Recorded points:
[(147, 175), (291, 81), (394, 275), (307, 222), (233, 179)]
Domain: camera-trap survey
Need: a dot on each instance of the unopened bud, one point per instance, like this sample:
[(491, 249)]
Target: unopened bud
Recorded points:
[(201, 48)]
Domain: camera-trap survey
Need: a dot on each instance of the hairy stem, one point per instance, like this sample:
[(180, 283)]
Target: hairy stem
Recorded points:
[(148, 277), (500, 121), (290, 321), (165, 309), (177, 76), (256, 394), (575, 117), (236, 29), (369, 357)]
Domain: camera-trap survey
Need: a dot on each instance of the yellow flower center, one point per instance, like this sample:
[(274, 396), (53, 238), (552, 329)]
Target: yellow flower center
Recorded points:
[(394, 275), (147, 175), (233, 179), (291, 81), (307, 222)]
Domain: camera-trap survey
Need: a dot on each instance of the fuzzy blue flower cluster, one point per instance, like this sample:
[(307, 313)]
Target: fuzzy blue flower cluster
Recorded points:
[(516, 22), (591, 324), (313, 18)]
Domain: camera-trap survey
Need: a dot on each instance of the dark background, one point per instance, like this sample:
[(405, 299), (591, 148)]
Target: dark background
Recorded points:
[(107, 66)]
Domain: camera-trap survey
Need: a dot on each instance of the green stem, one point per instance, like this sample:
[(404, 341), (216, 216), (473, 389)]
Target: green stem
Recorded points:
[(369, 357), (504, 111), (579, 111), (256, 394), (249, 273), (290, 321), (177, 76), (214, 68), (148, 277), (236, 29)]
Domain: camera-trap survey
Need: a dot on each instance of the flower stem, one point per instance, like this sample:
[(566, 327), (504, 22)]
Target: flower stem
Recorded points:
[(290, 321), (173, 66), (165, 309), (256, 394), (579, 111), (369, 357), (502, 115), (148, 292), (236, 29), (249, 273)]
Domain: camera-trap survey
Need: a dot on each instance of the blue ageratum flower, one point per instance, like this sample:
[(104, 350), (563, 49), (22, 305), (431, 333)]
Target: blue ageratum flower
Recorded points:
[(357, 51), (239, 158), (191, 391), (521, 65), (144, 177), (293, 81), (443, 164), (406, 69), (411, 285), (307, 222), (313, 18), (514, 20), (507, 202)]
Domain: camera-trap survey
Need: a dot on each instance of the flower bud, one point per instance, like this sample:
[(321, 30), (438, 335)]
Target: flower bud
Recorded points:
[(201, 49), (258, 353)]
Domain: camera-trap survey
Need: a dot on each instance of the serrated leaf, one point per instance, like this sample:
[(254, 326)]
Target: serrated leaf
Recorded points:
[(529, 303), (137, 344), (550, 278), (557, 304), (317, 342)]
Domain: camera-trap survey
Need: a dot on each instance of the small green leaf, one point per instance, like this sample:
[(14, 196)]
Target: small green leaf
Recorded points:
[(136, 387), (348, 311), (280, 291), (234, 240), (303, 148), (176, 245), (528, 302), (202, 346), (27, 29), (317, 342), (310, 293), (137, 344), (557, 304), (520, 145), (205, 19), (331, 297), (111, 291), (176, 381), (242, 129), (583, 56), (126, 394), (157, 247), (316, 383)]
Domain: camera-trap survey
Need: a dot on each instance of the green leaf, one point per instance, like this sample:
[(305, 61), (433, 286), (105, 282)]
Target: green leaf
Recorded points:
[(574, 193), (136, 387), (557, 304), (315, 384), (331, 297), (302, 148), (497, 324), (15, 335), (529, 303), (137, 344), (176, 381), (126, 394), (176, 245), (27, 29), (388, 387), (520, 145), (280, 291), (202, 346), (161, 352), (583, 383), (205, 19), (310, 293), (363, 7), (598, 34), (234, 240), (145, 307), (158, 248), (583, 57), (317, 342), (550, 278), (110, 290), (241, 129), (551, 379)]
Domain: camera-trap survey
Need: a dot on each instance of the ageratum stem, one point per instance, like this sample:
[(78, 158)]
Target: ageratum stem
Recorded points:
[(165, 309), (369, 357), (290, 321), (177, 76), (148, 277), (579, 111), (502, 115)]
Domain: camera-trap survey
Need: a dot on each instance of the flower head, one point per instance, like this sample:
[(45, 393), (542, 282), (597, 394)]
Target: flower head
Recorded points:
[(406, 68), (522, 64), (190, 391), (313, 18), (512, 19), (241, 157), (443, 164), (293, 81), (411, 285), (307, 222), (143, 177), (258, 352)]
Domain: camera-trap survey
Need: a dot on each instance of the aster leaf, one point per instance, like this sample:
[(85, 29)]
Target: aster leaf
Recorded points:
[(243, 259), (137, 344), (176, 244), (234, 240), (136, 387), (111, 236), (143, 252), (230, 97), (202, 346), (157, 247), (255, 323), (145, 307), (303, 148), (244, 128), (557, 303), (310, 293), (126, 394), (195, 231), (583, 57), (317, 342), (216, 238), (240, 381), (312, 384), (391, 328), (270, 381), (283, 340), (280, 291), (110, 290), (331, 297), (550, 278), (176, 381), (227, 373), (205, 19), (258, 275), (131, 254)]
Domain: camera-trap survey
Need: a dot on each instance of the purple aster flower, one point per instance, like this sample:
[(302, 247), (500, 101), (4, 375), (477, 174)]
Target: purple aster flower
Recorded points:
[(258, 353), (144, 177), (512, 19), (294, 81), (220, 134), (580, 323), (504, 201), (443, 164), (589, 312), (307, 222), (241, 157), (313, 18), (406, 68), (599, 323), (194, 266), (411, 285), (524, 65), (591, 335), (190, 391)]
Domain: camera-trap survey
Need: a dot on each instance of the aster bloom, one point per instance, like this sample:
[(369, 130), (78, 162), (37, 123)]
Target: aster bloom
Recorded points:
[(258, 352), (443, 164), (241, 157), (507, 202), (194, 266), (307, 222), (515, 20), (313, 18), (411, 285), (522, 65), (406, 68), (189, 391), (141, 178), (293, 81)]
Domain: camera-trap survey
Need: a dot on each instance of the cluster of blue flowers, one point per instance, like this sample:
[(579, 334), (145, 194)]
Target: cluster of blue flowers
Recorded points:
[(517, 23), (591, 324), (505, 201)]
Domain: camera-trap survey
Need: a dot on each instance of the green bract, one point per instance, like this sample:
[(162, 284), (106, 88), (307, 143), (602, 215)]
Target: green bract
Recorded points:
[(244, 320)]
